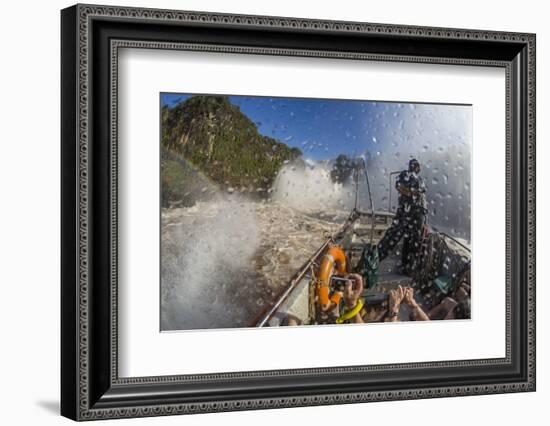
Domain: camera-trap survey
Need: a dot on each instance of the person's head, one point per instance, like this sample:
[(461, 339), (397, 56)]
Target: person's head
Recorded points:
[(414, 166), (290, 321)]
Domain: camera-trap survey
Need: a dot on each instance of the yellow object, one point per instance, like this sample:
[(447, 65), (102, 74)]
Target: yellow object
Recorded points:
[(351, 313)]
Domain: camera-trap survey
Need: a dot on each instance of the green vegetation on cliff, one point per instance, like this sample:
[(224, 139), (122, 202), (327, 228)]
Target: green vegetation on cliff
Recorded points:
[(222, 143)]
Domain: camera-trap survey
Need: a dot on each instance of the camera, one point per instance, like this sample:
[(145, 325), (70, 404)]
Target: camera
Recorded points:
[(339, 283)]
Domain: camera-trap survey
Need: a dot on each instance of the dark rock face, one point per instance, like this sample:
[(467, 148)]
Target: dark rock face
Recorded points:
[(221, 143)]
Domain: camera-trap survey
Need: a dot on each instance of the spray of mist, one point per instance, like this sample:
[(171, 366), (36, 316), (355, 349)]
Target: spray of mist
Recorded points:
[(309, 188), (204, 258)]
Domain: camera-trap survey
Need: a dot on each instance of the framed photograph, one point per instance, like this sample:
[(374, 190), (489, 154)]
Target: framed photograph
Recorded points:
[(263, 212)]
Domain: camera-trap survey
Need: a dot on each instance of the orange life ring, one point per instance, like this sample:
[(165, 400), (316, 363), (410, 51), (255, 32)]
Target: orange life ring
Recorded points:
[(334, 261)]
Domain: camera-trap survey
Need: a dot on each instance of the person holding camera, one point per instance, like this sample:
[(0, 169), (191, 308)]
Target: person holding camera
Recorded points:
[(352, 303), (409, 219)]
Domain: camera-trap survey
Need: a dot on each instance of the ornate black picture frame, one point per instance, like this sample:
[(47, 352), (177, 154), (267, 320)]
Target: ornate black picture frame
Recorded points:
[(91, 387)]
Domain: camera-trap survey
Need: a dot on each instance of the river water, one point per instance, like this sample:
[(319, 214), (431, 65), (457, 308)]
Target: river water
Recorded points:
[(223, 260)]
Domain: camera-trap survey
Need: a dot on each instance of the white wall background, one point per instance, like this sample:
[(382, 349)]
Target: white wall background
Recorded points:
[(29, 213)]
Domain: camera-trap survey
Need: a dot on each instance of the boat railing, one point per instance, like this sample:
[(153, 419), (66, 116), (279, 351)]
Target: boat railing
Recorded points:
[(464, 246), (267, 313), (270, 310)]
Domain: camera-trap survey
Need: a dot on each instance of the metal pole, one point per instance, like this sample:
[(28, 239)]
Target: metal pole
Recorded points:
[(371, 202), (356, 176)]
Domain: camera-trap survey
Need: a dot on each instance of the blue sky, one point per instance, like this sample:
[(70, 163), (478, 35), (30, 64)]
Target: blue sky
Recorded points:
[(323, 129)]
